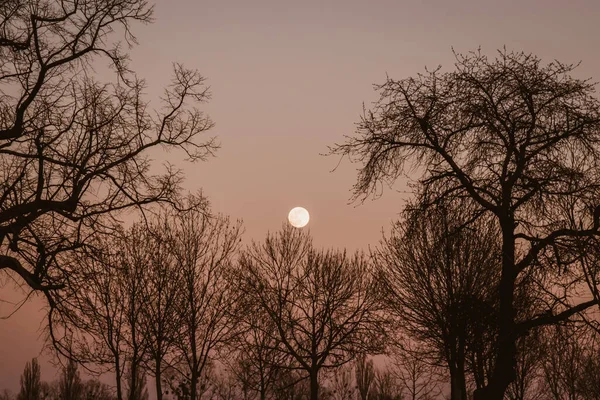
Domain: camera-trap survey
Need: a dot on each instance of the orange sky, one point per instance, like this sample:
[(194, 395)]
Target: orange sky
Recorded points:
[(289, 78)]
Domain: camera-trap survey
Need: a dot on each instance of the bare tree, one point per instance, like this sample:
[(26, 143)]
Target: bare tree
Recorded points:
[(570, 363), (365, 375), (203, 246), (527, 384), (136, 383), (93, 389), (343, 387), (440, 280), (161, 313), (6, 395), (100, 313), (31, 386), (70, 385), (518, 138), (385, 386), (257, 359), (324, 304), (415, 376), (73, 149)]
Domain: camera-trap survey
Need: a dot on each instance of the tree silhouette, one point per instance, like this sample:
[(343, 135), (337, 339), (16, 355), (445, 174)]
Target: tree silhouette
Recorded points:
[(517, 137), (70, 386), (203, 246), (73, 150), (324, 304), (365, 375), (440, 281), (31, 387), (99, 314)]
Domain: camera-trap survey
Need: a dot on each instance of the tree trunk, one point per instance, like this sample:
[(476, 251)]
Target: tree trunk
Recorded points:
[(194, 383), (118, 377), (157, 376), (314, 384), (504, 369), (457, 383)]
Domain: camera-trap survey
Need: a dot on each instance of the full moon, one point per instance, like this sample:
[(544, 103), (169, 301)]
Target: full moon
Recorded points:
[(298, 217)]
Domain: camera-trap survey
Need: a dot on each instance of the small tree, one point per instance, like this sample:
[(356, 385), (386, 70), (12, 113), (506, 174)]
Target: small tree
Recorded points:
[(31, 385), (415, 377), (162, 298), (365, 375), (256, 358), (96, 390), (70, 386), (343, 387), (324, 304)]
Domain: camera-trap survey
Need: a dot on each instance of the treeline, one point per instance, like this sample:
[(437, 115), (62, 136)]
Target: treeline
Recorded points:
[(69, 386), (176, 298)]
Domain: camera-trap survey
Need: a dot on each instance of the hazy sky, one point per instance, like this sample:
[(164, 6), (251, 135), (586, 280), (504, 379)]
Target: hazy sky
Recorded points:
[(289, 78)]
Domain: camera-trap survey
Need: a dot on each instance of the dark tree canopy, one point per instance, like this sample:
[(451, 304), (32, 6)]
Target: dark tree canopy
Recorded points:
[(519, 138), (73, 149)]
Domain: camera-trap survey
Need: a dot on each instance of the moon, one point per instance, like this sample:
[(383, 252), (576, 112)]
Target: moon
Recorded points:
[(298, 217)]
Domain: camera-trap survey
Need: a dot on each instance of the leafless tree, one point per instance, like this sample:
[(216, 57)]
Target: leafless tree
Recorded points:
[(416, 378), (570, 363), (440, 279), (73, 149), (518, 138), (6, 395), (163, 301), (385, 386), (93, 389), (100, 311), (70, 386), (342, 383), (325, 304), (292, 385), (203, 246), (365, 375), (136, 383), (527, 384), (30, 382), (257, 359)]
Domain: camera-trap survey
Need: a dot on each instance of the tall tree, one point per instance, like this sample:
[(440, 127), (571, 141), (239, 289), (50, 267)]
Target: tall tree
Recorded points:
[(73, 149), (161, 314), (203, 246), (31, 386), (101, 310), (324, 304), (517, 137)]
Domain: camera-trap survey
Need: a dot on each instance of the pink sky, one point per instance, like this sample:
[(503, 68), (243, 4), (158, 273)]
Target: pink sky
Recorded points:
[(289, 78)]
